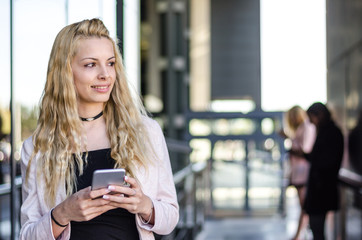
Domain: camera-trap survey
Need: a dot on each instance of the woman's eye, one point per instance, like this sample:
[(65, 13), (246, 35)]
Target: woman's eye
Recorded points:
[(111, 64), (90, 65)]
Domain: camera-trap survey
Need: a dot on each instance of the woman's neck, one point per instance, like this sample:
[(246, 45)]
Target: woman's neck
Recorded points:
[(96, 134), (89, 111)]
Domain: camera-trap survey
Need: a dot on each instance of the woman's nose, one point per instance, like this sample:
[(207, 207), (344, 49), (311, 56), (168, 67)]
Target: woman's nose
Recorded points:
[(103, 73)]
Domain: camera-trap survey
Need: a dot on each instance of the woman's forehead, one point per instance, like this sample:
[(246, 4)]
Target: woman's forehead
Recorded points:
[(94, 46)]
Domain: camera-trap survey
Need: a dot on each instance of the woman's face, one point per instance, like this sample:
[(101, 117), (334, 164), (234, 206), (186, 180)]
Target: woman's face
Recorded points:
[(94, 71), (313, 119)]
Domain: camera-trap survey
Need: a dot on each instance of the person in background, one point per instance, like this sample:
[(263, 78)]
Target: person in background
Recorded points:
[(354, 146), (5, 150), (89, 120), (302, 134), (325, 161)]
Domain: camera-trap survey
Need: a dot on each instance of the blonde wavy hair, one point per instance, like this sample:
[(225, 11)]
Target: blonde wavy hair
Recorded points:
[(58, 139), (295, 116)]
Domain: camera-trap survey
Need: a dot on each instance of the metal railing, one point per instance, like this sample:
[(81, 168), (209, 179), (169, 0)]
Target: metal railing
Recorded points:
[(5, 208), (190, 182), (350, 182), (259, 138), (5, 188), (191, 200)]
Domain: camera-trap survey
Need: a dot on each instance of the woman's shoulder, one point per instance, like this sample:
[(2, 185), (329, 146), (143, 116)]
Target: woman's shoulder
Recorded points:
[(154, 132), (27, 149), (28, 143), (150, 124)]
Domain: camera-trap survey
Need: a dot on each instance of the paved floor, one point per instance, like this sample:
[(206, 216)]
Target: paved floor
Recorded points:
[(253, 228), (272, 228), (250, 229)]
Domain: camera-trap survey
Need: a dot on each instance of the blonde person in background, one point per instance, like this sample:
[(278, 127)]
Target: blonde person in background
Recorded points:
[(89, 120), (302, 134)]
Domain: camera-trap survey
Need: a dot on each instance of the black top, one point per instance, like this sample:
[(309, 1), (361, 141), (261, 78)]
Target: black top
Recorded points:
[(325, 160), (116, 224)]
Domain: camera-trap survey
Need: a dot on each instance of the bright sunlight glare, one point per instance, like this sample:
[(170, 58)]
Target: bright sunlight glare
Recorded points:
[(293, 53)]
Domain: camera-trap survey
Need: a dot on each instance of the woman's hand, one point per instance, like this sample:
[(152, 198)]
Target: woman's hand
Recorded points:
[(83, 205), (132, 199)]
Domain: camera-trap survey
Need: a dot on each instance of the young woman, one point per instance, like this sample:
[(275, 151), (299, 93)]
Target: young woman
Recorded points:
[(89, 120), (302, 134)]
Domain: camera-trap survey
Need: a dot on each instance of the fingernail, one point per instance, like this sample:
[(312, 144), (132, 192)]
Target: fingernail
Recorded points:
[(126, 178), (105, 197), (111, 188)]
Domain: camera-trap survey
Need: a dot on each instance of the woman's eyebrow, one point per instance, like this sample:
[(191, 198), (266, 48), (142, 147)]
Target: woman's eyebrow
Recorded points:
[(96, 59), (89, 58)]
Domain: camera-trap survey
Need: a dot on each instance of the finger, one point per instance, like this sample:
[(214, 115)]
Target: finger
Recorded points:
[(121, 204), (120, 189), (129, 207), (97, 205), (117, 200), (132, 192), (82, 194), (87, 207), (95, 211), (123, 190), (133, 182), (98, 202), (98, 193)]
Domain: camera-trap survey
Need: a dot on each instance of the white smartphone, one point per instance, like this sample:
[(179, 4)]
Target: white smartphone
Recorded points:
[(104, 177)]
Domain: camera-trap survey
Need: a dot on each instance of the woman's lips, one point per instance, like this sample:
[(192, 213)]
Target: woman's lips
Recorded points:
[(101, 88)]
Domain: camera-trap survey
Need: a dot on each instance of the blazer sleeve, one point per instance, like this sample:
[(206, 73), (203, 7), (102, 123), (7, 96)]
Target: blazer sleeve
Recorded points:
[(309, 135), (35, 220), (165, 203)]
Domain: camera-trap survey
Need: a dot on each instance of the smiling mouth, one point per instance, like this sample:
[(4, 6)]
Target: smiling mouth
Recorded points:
[(99, 87)]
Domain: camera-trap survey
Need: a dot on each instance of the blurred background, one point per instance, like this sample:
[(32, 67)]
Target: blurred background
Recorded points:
[(218, 76)]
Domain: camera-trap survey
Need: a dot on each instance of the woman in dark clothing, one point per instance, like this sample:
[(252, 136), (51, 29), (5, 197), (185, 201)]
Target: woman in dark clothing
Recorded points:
[(325, 160)]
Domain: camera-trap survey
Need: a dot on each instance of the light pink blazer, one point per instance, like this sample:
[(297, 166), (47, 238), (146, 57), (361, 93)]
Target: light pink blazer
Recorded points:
[(157, 184), (303, 140)]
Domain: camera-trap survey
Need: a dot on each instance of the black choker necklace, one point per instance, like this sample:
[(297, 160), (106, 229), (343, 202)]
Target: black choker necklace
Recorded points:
[(92, 118)]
